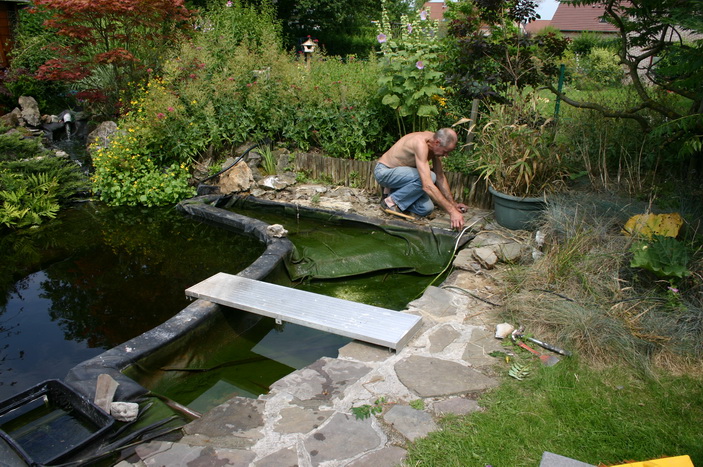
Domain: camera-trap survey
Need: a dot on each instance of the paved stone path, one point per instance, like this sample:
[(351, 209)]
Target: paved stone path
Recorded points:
[(307, 420)]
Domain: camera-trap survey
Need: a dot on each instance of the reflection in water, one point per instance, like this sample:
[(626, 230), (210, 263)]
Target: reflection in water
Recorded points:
[(97, 277)]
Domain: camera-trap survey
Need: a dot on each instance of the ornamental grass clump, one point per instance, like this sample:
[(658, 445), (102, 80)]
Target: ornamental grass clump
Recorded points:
[(514, 150)]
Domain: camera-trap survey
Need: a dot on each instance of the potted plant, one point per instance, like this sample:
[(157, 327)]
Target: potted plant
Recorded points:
[(515, 153)]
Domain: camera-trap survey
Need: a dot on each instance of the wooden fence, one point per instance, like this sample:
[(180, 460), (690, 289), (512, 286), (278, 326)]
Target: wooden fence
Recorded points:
[(465, 188)]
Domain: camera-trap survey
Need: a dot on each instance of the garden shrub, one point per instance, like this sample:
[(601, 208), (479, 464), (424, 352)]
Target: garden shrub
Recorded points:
[(230, 84), (410, 78)]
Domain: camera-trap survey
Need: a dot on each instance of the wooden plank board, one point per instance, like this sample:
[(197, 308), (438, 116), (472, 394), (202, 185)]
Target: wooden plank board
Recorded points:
[(367, 323)]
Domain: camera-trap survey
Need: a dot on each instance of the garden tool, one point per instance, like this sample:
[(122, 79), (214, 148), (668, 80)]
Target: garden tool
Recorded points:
[(519, 334), (547, 360)]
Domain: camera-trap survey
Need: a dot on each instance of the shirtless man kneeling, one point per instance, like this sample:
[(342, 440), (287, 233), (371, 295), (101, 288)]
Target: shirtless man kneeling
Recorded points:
[(411, 171)]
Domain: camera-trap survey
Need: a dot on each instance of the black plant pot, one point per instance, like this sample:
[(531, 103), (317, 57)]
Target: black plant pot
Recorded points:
[(516, 213)]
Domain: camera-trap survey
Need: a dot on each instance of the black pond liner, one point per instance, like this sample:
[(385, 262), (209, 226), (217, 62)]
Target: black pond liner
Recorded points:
[(210, 208)]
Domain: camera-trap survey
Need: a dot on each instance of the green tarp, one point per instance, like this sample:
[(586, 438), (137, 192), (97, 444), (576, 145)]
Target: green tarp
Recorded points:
[(331, 245)]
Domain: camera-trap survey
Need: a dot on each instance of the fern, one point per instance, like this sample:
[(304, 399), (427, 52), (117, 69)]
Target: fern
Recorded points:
[(519, 371)]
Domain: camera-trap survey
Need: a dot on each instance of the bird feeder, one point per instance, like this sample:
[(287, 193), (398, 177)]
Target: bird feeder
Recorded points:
[(308, 48)]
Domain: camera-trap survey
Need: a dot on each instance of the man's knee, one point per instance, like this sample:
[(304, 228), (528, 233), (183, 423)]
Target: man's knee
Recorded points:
[(424, 208)]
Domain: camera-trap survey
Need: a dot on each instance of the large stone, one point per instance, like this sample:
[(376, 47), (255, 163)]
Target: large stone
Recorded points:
[(442, 337), (100, 137), (299, 420), (30, 110), (480, 345), (436, 303), (409, 422), (512, 252), (465, 260), (432, 377), (235, 424), (456, 406), (390, 456), (12, 119), (238, 178), (287, 457), (363, 352), (485, 256), (343, 437), (322, 380)]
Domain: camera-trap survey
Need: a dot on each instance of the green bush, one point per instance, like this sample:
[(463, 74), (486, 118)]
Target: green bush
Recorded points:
[(215, 94), (33, 184)]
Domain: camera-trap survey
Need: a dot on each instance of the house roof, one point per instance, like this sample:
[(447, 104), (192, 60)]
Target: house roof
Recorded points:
[(537, 26), (437, 8), (570, 18)]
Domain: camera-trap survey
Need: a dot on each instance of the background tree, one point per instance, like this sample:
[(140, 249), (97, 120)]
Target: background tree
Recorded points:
[(488, 53), (102, 46), (342, 28), (661, 50)]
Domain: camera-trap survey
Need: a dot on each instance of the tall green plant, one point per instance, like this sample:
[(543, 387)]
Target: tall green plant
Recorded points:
[(410, 70)]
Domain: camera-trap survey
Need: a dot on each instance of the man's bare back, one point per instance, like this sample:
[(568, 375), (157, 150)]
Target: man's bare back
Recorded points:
[(404, 152)]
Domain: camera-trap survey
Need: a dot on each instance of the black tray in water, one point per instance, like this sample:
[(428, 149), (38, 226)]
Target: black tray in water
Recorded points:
[(49, 422)]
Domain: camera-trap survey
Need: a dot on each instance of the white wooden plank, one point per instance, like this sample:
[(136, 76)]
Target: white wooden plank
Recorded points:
[(368, 323)]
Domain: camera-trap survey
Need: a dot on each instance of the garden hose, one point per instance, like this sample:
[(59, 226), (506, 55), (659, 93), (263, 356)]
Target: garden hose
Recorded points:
[(236, 161), (451, 258)]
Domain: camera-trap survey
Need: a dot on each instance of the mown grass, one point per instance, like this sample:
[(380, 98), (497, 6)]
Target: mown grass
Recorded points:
[(596, 416)]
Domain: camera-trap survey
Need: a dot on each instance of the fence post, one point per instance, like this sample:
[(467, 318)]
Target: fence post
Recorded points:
[(562, 69)]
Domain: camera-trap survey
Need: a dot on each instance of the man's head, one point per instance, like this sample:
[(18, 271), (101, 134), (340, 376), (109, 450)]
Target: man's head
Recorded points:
[(444, 141)]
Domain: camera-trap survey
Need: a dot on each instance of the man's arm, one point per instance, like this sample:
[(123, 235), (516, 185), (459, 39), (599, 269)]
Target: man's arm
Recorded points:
[(443, 185), (423, 167)]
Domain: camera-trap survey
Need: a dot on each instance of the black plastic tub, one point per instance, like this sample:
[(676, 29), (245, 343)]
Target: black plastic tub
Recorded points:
[(47, 423)]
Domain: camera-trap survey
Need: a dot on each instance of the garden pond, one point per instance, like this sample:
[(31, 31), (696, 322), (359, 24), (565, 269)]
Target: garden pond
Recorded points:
[(98, 276)]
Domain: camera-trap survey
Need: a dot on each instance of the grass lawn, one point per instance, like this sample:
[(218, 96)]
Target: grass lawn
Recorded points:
[(605, 416)]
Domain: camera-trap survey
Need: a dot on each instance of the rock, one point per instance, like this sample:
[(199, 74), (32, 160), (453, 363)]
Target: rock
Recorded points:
[(12, 119), (276, 230), (510, 252), (409, 422), (30, 110), (283, 160), (273, 182), (124, 411), (486, 257), (100, 137), (465, 260), (238, 178), (503, 330)]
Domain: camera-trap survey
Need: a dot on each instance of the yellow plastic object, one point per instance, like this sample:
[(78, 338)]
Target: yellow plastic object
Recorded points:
[(646, 225), (678, 461)]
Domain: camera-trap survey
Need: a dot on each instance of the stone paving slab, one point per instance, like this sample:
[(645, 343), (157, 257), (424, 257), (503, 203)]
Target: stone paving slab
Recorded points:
[(307, 419)]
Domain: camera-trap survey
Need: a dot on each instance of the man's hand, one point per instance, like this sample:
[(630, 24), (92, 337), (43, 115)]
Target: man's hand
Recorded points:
[(456, 219), (461, 207)]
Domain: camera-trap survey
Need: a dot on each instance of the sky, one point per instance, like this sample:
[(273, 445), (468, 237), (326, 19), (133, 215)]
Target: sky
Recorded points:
[(546, 8)]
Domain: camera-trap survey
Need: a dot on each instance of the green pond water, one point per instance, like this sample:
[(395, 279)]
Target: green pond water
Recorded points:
[(96, 277)]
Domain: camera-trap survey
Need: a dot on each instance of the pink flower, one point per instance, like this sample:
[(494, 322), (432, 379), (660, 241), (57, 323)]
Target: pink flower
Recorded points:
[(410, 28), (171, 109), (423, 15), (229, 4), (419, 65), (160, 115), (149, 70), (381, 38), (673, 289)]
